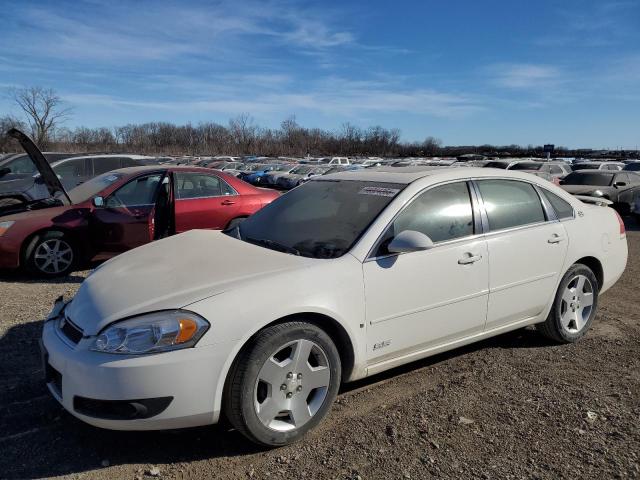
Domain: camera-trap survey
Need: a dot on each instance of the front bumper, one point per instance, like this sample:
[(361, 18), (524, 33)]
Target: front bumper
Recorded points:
[(188, 376), (9, 253)]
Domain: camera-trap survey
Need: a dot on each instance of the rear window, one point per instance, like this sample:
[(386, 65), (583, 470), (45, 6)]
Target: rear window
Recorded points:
[(510, 203), (600, 179), (526, 166)]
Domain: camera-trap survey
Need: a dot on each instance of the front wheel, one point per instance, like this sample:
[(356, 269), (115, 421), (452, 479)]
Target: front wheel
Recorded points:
[(283, 383), (51, 254), (574, 306)]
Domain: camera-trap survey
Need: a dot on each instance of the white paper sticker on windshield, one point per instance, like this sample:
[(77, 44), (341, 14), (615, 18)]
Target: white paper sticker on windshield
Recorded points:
[(379, 191)]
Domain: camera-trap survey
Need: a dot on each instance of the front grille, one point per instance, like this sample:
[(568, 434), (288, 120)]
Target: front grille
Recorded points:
[(71, 330)]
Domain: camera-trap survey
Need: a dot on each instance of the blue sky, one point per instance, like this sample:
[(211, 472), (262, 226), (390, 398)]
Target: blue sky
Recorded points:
[(468, 72)]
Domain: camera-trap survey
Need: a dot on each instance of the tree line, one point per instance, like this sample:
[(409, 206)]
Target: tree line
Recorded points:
[(44, 114)]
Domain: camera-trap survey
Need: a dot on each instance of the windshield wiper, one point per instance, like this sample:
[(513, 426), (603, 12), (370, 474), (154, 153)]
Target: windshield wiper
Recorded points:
[(265, 242)]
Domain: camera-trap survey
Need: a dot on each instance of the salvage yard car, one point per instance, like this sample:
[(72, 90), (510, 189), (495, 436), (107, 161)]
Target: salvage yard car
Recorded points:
[(357, 272), (611, 185), (117, 211)]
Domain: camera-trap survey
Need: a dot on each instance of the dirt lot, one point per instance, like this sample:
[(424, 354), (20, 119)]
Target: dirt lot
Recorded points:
[(513, 406)]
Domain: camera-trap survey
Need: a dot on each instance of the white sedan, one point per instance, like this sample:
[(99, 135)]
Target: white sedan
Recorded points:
[(346, 276)]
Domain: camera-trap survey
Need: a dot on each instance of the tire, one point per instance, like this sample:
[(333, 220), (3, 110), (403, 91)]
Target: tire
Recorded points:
[(51, 254), (574, 306), (235, 222), (273, 398)]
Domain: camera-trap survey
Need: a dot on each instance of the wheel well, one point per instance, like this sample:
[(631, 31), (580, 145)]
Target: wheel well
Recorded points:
[(596, 267), (336, 332), (65, 231)]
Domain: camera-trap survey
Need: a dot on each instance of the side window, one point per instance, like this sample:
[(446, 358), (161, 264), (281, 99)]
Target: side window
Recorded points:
[(556, 170), (442, 213), (138, 192), (562, 208), (510, 203), (199, 185), (74, 168), (105, 164)]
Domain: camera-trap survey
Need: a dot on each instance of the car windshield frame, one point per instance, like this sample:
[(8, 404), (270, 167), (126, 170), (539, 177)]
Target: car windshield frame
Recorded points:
[(322, 219)]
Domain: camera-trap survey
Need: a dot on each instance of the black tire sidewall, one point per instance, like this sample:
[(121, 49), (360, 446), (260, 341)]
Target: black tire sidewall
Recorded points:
[(566, 336), (256, 359), (33, 245)]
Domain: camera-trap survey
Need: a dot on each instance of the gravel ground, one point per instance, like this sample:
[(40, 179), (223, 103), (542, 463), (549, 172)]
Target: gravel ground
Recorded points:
[(515, 406)]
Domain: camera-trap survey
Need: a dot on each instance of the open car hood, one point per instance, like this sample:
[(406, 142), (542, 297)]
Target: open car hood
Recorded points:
[(50, 179)]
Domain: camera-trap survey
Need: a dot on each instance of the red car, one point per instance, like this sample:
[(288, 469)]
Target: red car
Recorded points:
[(117, 211)]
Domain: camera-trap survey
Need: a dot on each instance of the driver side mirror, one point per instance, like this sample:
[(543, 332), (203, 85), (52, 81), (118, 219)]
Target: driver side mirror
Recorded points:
[(561, 182), (409, 241), (98, 202)]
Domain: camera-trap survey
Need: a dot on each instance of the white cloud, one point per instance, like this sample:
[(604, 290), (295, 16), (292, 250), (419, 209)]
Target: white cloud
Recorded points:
[(525, 75)]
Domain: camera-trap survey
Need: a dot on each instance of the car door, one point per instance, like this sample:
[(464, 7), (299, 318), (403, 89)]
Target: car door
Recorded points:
[(422, 299), (126, 219), (204, 200), (527, 248)]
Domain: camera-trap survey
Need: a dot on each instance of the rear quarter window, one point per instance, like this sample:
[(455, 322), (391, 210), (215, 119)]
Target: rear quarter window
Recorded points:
[(563, 209)]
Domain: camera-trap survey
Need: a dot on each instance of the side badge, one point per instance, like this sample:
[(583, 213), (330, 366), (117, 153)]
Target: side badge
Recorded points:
[(379, 345)]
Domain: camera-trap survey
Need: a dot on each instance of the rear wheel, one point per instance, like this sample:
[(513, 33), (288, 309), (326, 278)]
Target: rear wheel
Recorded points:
[(51, 254), (283, 384), (574, 306)]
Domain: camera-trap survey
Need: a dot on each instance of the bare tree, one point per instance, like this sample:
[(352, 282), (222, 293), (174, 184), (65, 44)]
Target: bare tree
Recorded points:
[(43, 109), (6, 123)]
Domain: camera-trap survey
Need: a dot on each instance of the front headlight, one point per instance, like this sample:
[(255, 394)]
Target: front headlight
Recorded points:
[(4, 226), (152, 333)]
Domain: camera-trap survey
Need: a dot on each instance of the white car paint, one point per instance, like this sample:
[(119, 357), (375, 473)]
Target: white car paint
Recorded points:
[(393, 309)]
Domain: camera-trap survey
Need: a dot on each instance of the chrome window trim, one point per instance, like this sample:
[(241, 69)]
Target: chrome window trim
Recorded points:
[(474, 206)]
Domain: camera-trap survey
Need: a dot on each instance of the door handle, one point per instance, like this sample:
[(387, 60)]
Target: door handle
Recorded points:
[(469, 258), (555, 238), (228, 202)]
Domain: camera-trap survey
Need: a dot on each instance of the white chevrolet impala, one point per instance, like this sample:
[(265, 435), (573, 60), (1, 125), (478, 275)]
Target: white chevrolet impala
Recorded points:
[(344, 277)]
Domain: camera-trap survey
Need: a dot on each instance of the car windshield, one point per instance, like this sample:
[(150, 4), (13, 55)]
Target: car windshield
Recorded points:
[(586, 166), (256, 167), (526, 166), (303, 170), (588, 178), (93, 187), (632, 167), (320, 219), (497, 165), (283, 168)]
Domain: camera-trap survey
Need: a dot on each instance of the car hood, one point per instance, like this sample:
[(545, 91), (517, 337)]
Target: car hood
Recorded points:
[(584, 189), (172, 273)]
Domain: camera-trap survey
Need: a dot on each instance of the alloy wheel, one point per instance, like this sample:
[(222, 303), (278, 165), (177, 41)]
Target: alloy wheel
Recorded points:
[(577, 304), (292, 385), (53, 256)]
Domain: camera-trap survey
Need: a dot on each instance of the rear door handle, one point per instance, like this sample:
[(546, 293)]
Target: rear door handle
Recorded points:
[(555, 238), (469, 258), (228, 202)]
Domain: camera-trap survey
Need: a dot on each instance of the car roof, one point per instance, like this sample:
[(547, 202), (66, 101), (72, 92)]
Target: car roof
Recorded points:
[(406, 175), (593, 170)]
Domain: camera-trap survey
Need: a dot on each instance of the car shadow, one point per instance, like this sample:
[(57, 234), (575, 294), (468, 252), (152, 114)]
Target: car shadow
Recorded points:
[(522, 338), (32, 421), (22, 277)]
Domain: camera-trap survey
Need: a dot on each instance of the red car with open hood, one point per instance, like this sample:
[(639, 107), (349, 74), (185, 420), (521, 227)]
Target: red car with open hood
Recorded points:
[(117, 211)]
